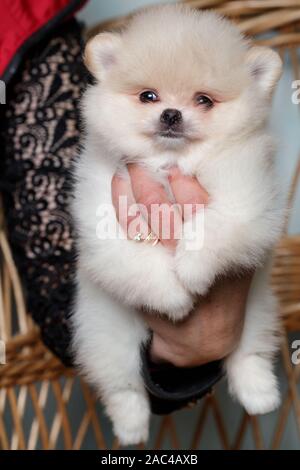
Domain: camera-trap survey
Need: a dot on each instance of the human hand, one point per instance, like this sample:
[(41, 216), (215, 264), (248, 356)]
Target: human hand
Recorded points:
[(211, 332), (213, 329), (143, 190)]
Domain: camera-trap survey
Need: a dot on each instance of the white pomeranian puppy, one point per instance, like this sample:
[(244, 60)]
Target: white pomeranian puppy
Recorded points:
[(176, 87)]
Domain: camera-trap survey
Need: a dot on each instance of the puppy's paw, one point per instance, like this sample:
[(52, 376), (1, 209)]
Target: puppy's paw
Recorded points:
[(263, 402), (192, 273), (130, 414), (177, 304), (170, 297), (253, 383)]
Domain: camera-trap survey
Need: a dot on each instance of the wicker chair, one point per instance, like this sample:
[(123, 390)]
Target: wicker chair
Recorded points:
[(36, 389)]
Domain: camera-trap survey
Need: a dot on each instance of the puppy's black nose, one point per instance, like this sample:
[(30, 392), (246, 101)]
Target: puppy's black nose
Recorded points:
[(171, 117)]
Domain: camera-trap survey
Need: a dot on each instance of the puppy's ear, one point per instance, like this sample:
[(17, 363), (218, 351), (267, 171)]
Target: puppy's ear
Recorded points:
[(265, 67), (101, 53)]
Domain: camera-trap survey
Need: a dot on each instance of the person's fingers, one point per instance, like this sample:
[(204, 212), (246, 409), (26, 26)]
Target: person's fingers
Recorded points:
[(187, 192), (163, 217), (128, 215)]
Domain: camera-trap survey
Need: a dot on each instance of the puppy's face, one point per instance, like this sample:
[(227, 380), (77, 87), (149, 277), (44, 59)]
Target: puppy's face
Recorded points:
[(176, 78)]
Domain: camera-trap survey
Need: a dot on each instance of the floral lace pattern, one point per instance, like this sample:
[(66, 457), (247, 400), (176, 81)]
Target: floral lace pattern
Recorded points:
[(39, 134)]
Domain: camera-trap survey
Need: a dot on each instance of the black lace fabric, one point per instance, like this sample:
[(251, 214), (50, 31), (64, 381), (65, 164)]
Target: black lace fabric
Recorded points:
[(40, 130)]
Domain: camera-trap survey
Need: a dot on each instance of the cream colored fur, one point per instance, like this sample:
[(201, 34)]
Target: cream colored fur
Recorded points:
[(177, 52)]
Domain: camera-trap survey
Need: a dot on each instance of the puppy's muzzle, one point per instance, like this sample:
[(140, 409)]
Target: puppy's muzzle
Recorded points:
[(171, 117), (171, 123)]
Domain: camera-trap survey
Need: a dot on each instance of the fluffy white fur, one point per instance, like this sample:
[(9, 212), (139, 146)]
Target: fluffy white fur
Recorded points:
[(177, 52)]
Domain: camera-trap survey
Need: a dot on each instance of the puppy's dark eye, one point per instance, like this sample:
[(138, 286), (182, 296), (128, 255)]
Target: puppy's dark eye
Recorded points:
[(149, 96), (204, 100)]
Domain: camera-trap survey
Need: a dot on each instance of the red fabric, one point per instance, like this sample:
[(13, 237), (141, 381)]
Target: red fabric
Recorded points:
[(19, 19)]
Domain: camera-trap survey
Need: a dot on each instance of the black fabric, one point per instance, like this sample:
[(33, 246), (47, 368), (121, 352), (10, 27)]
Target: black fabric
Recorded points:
[(171, 388), (40, 132), (40, 137)]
